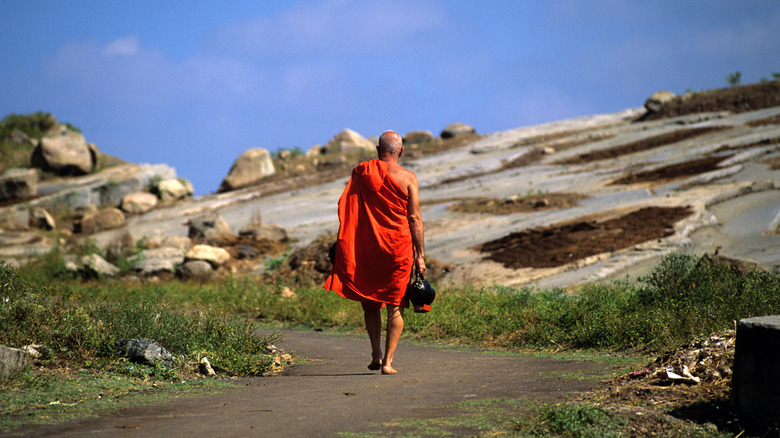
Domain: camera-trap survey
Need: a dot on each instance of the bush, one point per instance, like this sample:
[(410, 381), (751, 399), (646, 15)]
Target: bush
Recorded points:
[(84, 333)]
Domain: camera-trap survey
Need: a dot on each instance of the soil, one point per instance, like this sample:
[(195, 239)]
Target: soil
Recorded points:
[(736, 99), (517, 204), (673, 171), (641, 145), (557, 245)]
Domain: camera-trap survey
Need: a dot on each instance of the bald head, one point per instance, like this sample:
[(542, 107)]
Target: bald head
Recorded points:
[(389, 144)]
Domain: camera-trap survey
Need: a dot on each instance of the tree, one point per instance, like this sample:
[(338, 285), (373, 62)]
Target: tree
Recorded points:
[(734, 79)]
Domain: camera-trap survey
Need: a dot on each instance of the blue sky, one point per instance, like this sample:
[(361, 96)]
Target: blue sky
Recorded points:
[(194, 84)]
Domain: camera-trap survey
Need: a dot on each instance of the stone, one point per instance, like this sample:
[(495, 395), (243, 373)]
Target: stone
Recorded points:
[(11, 359), (95, 266), (654, 103), (204, 367), (315, 151), (195, 270), (173, 189), (418, 137), (107, 219), (156, 260), (208, 225), (65, 154), (180, 242), (18, 184), (138, 202), (40, 218), (349, 141), (215, 256), (144, 351), (755, 386), (249, 168), (274, 233), (456, 130)]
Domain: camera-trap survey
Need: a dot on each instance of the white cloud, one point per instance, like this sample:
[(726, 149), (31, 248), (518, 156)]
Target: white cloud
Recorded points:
[(127, 46), (333, 26)]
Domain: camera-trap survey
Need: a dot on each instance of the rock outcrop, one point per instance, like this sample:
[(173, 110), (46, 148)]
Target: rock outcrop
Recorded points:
[(456, 130), (249, 168), (349, 142)]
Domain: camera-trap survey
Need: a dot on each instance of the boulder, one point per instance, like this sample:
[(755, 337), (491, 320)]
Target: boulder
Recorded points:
[(173, 189), (107, 219), (315, 151), (267, 232), (154, 261), (65, 154), (18, 183), (215, 256), (195, 270), (208, 225), (349, 141), (456, 130), (654, 103), (248, 169), (95, 266), (418, 137), (179, 242), (146, 351), (40, 218), (11, 359), (138, 202)]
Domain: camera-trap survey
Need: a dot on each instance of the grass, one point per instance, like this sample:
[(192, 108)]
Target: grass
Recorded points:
[(682, 298)]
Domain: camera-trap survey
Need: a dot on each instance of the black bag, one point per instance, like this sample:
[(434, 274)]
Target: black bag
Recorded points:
[(420, 293)]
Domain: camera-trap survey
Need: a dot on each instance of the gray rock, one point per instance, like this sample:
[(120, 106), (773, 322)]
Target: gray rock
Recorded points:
[(144, 351), (11, 359), (154, 261), (208, 225), (418, 137), (654, 103), (195, 270), (107, 219), (66, 154), (249, 168), (96, 266), (205, 367), (274, 233), (40, 218), (18, 183), (456, 129)]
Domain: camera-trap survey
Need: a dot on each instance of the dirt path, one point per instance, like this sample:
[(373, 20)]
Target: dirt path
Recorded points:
[(334, 392)]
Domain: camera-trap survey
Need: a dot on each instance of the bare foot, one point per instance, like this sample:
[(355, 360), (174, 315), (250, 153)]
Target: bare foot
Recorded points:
[(388, 370), (375, 365)]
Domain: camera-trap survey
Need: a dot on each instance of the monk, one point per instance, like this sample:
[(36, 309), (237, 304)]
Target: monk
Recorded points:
[(380, 239)]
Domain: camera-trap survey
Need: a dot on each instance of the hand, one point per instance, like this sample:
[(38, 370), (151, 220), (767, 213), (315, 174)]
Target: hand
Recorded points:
[(420, 264)]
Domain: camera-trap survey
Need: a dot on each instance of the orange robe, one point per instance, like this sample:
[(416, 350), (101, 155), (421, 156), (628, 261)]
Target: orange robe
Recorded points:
[(374, 250)]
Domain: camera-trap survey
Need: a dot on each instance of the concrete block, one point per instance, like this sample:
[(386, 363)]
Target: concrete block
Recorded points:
[(755, 388)]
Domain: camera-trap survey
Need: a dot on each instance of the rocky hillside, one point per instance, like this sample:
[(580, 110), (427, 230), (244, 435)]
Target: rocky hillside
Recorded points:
[(595, 197)]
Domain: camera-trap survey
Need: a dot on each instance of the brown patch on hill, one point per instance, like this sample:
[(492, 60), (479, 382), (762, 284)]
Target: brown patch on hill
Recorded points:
[(516, 204), (673, 171), (737, 99), (558, 245), (641, 145), (773, 163)]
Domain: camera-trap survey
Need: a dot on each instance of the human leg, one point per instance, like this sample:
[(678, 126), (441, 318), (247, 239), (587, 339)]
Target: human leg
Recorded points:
[(395, 326), (373, 319)]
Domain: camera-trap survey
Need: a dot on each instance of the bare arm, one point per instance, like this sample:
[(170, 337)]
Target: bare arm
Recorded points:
[(416, 224)]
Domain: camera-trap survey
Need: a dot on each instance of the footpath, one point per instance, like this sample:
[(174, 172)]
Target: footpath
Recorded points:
[(335, 392)]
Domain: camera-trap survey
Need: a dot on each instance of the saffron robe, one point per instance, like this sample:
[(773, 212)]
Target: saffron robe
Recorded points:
[(374, 250)]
